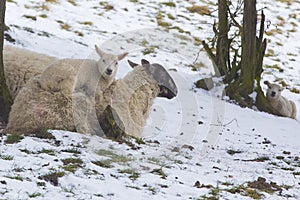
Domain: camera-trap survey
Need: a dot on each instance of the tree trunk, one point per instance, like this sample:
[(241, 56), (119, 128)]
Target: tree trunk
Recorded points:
[(222, 54), (243, 85), (248, 59), (5, 97)]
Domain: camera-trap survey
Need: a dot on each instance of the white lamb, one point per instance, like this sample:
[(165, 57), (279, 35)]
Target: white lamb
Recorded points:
[(20, 65), (133, 95), (47, 102), (281, 105)]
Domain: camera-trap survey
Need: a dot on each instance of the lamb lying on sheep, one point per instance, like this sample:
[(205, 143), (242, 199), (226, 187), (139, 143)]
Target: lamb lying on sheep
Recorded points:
[(20, 65), (83, 73), (280, 104), (133, 95), (46, 100)]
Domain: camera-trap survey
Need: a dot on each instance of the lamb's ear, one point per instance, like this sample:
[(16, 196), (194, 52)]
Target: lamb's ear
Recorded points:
[(132, 64), (145, 62), (267, 83), (99, 51), (281, 89), (123, 55)]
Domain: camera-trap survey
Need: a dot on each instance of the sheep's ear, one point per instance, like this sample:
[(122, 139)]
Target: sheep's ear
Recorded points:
[(99, 51), (132, 64), (123, 55), (145, 62)]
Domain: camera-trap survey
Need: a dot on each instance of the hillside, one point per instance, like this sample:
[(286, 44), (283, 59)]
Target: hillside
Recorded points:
[(196, 146)]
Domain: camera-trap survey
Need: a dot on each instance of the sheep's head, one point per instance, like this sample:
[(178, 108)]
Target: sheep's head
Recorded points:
[(108, 64), (167, 86), (274, 90)]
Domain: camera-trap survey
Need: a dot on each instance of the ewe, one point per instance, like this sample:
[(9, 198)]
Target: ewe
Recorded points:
[(280, 104), (46, 101), (133, 95)]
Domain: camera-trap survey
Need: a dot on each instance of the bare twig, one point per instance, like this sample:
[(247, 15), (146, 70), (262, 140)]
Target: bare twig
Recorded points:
[(224, 125)]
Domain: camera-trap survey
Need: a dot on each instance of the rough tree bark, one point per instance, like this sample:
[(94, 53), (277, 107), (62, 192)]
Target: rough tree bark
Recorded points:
[(5, 97), (220, 60), (248, 60), (222, 50)]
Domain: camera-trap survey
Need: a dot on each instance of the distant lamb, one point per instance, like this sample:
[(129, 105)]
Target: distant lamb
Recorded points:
[(280, 104), (20, 65), (47, 101), (133, 95)]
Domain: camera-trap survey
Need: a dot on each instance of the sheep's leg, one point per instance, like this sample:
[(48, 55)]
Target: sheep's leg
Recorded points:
[(294, 110)]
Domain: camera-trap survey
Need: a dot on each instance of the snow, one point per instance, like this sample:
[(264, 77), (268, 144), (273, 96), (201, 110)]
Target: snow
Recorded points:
[(187, 139)]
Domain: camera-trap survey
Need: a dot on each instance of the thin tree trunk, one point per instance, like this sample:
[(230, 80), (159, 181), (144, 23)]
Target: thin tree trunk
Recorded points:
[(5, 97), (222, 54)]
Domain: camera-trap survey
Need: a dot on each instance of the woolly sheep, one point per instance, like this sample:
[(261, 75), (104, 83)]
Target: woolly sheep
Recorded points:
[(133, 95), (46, 101), (281, 105), (20, 65)]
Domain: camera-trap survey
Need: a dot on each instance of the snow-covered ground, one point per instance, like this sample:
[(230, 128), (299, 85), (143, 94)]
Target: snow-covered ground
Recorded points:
[(197, 146)]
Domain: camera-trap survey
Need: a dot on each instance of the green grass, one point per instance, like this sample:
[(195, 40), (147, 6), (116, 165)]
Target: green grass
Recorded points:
[(67, 161), (19, 178), (42, 132), (133, 174), (41, 184), (47, 151), (245, 191), (13, 138), (112, 158), (103, 163), (296, 173), (159, 172), (72, 150), (104, 152), (232, 152), (149, 50), (170, 4), (34, 195), (6, 157), (52, 177), (72, 164)]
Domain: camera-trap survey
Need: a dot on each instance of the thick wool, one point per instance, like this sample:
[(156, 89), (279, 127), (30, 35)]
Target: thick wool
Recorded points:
[(63, 95), (20, 65), (281, 105), (133, 95), (36, 109)]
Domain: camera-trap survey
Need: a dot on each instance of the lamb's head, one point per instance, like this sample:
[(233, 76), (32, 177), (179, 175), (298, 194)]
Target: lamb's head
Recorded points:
[(108, 64), (167, 86), (273, 91)]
